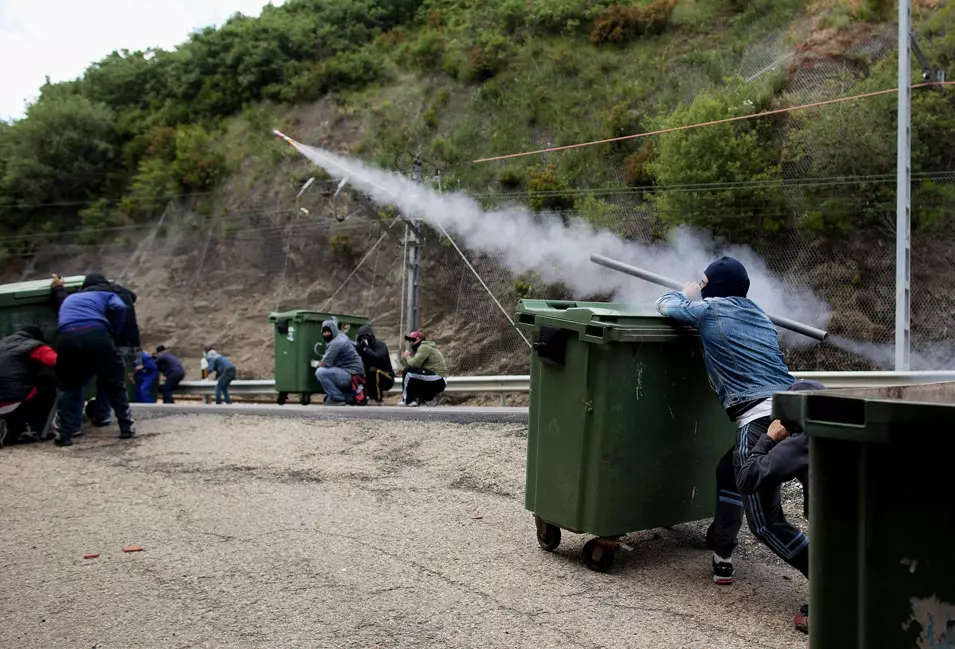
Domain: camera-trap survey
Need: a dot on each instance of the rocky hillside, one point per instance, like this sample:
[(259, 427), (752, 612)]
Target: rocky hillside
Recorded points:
[(160, 168)]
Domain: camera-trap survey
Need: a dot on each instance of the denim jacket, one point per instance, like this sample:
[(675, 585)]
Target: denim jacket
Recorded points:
[(740, 345)]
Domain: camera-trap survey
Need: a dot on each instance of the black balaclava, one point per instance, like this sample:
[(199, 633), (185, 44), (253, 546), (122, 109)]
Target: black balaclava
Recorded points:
[(94, 279), (725, 277), (34, 332), (366, 334), (327, 335)]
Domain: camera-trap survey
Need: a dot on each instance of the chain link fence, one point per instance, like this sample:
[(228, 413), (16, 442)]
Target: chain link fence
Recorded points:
[(212, 278)]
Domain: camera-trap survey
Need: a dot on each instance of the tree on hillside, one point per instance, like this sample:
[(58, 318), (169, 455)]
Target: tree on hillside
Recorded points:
[(723, 178), (63, 152)]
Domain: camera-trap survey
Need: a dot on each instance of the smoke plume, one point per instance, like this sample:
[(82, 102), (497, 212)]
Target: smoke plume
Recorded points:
[(559, 253)]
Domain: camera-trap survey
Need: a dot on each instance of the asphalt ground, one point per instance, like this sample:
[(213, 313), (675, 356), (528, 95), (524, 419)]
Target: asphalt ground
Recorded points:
[(340, 530)]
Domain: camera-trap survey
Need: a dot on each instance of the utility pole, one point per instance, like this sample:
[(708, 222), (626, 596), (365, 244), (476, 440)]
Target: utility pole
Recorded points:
[(903, 208), (413, 263)]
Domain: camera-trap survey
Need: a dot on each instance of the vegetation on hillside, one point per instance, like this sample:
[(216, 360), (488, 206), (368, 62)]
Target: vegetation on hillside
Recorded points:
[(453, 80)]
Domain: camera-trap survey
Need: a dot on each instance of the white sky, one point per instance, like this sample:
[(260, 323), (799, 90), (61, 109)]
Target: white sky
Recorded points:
[(60, 38)]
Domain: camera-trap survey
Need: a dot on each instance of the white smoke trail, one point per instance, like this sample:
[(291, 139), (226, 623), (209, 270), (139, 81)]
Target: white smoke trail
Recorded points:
[(560, 253), (939, 355)]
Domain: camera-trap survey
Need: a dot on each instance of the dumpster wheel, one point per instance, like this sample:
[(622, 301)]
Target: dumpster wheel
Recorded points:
[(282, 398), (548, 536), (305, 398), (599, 553)]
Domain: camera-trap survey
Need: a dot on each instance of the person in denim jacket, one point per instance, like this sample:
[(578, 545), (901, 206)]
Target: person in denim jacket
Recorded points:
[(745, 368)]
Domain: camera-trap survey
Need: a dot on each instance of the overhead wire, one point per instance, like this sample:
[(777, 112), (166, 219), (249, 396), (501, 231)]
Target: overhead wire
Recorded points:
[(727, 120)]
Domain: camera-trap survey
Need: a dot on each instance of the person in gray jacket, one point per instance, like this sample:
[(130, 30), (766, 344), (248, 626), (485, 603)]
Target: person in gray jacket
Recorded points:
[(340, 363)]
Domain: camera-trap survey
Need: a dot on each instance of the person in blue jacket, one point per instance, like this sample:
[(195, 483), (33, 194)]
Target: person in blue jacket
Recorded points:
[(746, 367), (88, 320), (147, 373), (225, 373)]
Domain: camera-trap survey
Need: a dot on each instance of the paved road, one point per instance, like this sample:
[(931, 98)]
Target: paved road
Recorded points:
[(343, 533)]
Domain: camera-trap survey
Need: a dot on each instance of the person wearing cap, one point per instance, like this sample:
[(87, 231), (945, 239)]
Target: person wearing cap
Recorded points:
[(27, 385), (225, 374), (425, 371), (172, 370), (339, 366), (745, 367)]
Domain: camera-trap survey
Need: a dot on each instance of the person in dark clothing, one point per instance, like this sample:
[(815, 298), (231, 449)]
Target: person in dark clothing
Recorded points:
[(746, 367), (27, 385), (87, 322), (127, 340), (781, 454), (379, 372), (172, 369)]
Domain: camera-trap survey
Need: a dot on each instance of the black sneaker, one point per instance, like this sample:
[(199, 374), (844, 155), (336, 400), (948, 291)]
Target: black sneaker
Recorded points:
[(722, 571), (802, 619), (60, 442), (102, 424), (126, 434)]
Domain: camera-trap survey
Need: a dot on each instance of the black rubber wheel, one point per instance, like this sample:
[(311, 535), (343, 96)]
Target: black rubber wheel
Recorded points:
[(304, 399), (282, 398), (548, 536), (598, 556)]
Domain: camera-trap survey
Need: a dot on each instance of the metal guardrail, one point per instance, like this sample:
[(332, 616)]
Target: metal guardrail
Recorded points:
[(522, 382)]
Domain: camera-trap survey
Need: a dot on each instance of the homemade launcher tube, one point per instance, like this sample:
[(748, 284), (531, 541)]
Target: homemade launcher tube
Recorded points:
[(785, 323)]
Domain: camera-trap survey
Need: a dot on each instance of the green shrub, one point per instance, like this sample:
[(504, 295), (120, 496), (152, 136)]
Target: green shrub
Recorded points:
[(545, 186)]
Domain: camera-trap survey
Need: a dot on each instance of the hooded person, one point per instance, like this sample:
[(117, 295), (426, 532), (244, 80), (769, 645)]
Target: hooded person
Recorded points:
[(127, 340), (338, 367), (27, 385), (225, 374), (88, 322), (425, 371), (379, 372), (746, 367), (172, 369)]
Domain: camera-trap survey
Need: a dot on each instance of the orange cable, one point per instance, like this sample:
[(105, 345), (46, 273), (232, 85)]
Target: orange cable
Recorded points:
[(713, 123)]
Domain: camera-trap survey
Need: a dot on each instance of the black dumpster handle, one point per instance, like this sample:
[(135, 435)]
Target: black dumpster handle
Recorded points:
[(831, 409)]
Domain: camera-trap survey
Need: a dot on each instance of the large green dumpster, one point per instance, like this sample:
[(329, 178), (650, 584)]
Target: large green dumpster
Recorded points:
[(31, 303), (298, 342), (882, 511), (625, 432)]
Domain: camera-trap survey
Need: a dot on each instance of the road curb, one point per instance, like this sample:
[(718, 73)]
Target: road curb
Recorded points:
[(450, 414)]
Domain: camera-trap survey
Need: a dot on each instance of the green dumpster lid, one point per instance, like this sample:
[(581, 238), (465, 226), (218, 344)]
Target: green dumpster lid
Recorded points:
[(879, 415), (304, 315), (599, 321), (34, 291)]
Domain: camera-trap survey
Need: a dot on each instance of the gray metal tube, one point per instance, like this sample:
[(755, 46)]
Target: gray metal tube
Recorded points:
[(785, 323)]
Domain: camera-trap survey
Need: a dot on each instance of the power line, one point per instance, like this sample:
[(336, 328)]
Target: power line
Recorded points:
[(728, 120)]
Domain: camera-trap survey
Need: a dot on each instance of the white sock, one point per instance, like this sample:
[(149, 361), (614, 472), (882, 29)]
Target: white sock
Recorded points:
[(720, 559)]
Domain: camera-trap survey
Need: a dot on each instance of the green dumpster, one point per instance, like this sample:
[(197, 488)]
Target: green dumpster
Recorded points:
[(31, 303), (882, 511), (298, 342), (624, 432)]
